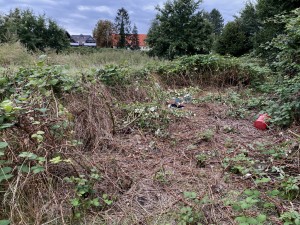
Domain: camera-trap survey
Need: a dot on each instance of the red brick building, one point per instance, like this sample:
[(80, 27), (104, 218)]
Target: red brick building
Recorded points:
[(142, 43)]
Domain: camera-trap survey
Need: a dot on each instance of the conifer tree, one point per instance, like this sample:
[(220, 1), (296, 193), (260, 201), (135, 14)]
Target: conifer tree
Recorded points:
[(123, 27)]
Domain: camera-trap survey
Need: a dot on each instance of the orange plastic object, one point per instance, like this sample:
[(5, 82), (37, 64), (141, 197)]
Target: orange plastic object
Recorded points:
[(262, 122)]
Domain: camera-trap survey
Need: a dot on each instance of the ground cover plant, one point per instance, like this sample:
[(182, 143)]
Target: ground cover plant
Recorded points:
[(101, 143)]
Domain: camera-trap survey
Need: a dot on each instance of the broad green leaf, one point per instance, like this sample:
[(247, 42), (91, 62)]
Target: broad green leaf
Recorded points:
[(263, 180), (6, 125), (75, 202), (191, 195), (3, 144), (24, 168), (37, 169), (53, 81), (28, 155), (251, 220), (241, 219), (5, 177), (274, 193), (108, 202), (5, 170), (95, 202), (41, 159), (261, 218), (4, 222), (7, 106), (42, 110), (244, 205), (56, 160), (248, 192)]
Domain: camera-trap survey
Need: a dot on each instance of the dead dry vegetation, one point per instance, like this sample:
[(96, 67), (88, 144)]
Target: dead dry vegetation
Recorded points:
[(118, 154)]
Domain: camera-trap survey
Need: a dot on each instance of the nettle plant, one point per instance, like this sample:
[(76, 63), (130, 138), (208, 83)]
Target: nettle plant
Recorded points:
[(149, 116), (85, 194), (189, 215), (283, 104), (248, 200), (29, 163)]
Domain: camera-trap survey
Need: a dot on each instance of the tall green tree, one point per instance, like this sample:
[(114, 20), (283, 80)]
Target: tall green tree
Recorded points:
[(266, 10), (232, 40), (217, 21), (123, 27), (250, 24), (134, 41), (179, 29), (35, 32), (103, 33)]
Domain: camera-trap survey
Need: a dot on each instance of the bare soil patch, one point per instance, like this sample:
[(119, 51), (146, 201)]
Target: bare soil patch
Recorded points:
[(149, 174)]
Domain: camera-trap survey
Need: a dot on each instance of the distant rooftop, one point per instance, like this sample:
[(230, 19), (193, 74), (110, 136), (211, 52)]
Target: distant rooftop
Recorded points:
[(82, 38)]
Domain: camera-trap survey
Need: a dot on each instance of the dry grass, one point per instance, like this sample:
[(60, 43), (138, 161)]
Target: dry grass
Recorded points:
[(15, 55), (101, 57), (144, 174)]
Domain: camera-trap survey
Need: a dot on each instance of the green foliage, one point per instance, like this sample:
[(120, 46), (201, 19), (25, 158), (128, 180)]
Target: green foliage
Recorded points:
[(4, 222), (290, 218), (210, 70), (290, 187), (285, 47), (201, 159), (217, 21), (162, 176), (179, 29), (250, 24), (250, 199), (240, 164), (283, 105), (148, 116), (85, 194), (266, 10), (207, 135), (190, 215), (232, 41), (244, 220), (103, 33), (134, 39), (112, 75), (123, 28), (35, 32)]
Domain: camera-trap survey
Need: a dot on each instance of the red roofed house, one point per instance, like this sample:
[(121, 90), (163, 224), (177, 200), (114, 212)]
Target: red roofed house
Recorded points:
[(142, 43)]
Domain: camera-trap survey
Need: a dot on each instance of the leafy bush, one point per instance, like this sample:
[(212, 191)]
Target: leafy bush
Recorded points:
[(210, 70)]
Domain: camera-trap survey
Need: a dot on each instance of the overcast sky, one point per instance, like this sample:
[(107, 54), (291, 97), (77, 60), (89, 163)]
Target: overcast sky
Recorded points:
[(80, 16)]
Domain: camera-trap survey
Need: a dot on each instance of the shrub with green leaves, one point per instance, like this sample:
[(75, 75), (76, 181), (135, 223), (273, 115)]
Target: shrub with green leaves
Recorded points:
[(210, 70)]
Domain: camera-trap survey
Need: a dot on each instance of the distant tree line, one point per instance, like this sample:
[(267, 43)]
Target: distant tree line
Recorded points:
[(35, 32), (120, 32), (182, 28), (255, 27)]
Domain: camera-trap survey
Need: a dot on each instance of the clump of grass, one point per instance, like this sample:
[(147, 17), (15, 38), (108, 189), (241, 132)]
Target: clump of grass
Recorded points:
[(101, 57), (15, 54)]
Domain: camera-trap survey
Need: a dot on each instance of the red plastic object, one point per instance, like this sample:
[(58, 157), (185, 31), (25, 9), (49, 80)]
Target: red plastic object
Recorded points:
[(262, 122)]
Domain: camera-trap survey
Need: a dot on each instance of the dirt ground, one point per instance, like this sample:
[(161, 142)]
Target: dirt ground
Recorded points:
[(149, 174)]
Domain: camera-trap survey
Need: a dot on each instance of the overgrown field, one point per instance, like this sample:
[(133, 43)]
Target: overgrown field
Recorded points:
[(89, 137)]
